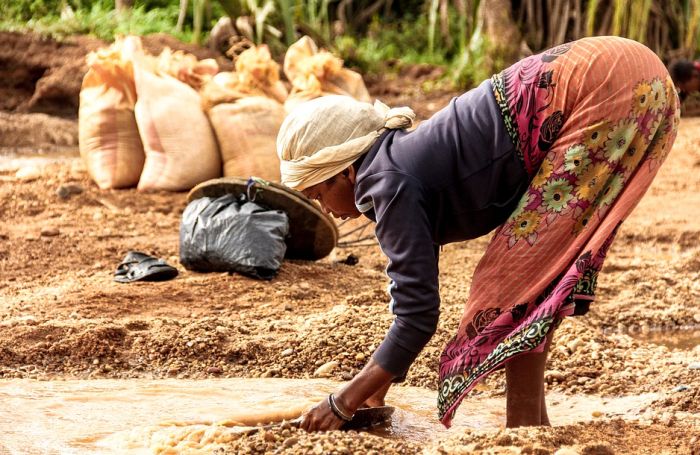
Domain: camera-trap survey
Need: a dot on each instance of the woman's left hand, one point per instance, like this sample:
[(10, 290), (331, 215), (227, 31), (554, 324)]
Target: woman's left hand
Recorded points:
[(372, 382), (321, 418)]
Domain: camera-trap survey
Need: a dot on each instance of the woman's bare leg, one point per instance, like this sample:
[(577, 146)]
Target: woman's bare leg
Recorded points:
[(544, 418), (525, 400)]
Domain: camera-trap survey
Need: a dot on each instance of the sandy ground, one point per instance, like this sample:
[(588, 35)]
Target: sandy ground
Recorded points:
[(62, 316)]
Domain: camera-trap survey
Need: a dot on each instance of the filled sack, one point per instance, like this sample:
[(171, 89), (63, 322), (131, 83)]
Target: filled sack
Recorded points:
[(245, 109), (109, 141), (233, 234), (247, 132), (186, 67), (313, 73), (178, 140)]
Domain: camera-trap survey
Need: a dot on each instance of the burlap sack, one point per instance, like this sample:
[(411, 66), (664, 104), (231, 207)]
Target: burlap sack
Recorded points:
[(109, 140), (186, 67), (180, 146), (246, 112), (257, 74), (247, 130), (315, 73)]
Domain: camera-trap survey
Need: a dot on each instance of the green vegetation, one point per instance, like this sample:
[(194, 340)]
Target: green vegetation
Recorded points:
[(99, 19), (461, 35)]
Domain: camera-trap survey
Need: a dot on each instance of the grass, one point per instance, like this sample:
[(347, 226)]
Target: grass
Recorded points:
[(100, 20), (445, 33)]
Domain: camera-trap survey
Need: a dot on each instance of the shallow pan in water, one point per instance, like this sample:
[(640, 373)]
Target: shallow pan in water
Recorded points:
[(364, 418)]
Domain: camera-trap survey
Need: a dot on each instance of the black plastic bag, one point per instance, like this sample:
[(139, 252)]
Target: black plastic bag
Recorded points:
[(232, 234)]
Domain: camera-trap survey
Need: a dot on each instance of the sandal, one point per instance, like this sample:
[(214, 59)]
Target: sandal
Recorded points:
[(138, 266)]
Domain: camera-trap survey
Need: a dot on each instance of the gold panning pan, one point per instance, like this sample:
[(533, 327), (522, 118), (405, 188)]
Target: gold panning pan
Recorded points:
[(312, 233)]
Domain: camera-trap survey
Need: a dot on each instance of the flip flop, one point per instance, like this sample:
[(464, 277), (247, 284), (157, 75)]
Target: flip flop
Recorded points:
[(138, 266)]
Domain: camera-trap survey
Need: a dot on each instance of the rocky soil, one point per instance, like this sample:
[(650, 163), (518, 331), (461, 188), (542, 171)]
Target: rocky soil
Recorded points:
[(62, 316)]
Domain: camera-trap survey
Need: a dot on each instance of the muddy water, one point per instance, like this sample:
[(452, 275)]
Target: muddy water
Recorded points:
[(142, 416), (12, 161), (684, 339)]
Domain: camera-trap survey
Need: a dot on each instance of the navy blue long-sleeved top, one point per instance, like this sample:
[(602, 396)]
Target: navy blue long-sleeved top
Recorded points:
[(455, 177)]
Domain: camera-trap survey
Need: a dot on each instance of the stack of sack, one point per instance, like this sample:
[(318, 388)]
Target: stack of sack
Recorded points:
[(140, 125), (172, 121)]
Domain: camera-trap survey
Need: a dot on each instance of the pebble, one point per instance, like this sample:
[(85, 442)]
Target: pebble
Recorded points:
[(289, 442), (554, 375), (326, 369), (597, 414), (681, 388), (667, 419), (28, 173), (214, 370), (574, 344), (287, 352), (566, 451), (694, 366), (49, 232), (696, 317), (66, 191)]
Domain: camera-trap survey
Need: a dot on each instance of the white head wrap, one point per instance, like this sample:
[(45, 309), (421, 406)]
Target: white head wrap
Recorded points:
[(322, 137)]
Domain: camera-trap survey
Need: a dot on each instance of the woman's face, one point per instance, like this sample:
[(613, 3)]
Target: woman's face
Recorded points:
[(691, 85), (336, 195)]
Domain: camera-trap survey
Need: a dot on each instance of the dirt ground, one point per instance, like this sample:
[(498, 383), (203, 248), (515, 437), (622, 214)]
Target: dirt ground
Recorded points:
[(62, 316)]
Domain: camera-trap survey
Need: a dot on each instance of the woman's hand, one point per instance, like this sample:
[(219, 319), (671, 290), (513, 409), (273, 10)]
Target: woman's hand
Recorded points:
[(368, 387), (321, 418)]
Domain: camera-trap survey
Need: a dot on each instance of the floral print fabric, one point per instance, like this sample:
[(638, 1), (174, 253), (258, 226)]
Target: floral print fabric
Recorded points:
[(591, 142)]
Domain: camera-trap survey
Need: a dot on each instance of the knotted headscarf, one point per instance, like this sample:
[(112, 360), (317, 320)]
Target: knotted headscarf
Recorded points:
[(322, 137)]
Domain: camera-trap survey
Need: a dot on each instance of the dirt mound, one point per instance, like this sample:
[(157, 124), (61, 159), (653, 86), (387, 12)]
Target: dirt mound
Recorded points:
[(44, 75), (290, 440), (41, 74), (597, 438), (38, 130)]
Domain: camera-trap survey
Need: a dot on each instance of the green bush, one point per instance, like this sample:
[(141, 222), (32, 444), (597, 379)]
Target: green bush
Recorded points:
[(403, 41), (102, 21)]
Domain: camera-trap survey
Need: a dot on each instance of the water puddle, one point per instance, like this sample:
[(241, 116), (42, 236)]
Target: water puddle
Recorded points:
[(683, 339), (10, 162), (153, 416)]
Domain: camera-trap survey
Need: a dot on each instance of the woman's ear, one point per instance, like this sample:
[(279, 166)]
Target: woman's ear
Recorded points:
[(350, 174)]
